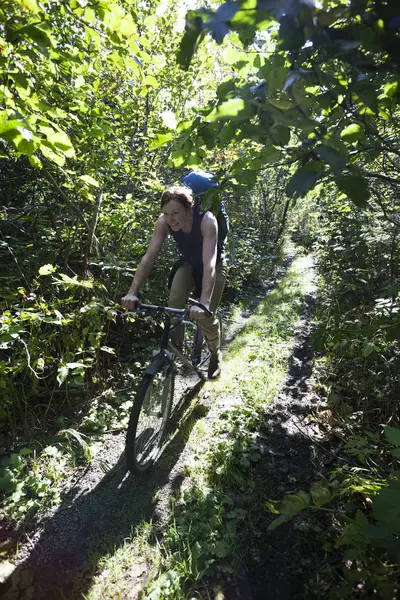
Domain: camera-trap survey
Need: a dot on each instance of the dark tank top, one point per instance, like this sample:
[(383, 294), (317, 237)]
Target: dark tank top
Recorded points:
[(190, 247)]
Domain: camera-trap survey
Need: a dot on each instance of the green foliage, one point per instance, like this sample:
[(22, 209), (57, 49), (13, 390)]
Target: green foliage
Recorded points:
[(91, 87), (357, 345), (46, 52), (359, 305), (362, 533), (297, 112), (28, 485), (313, 91)]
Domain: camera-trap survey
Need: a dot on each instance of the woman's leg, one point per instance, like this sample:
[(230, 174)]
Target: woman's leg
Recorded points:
[(182, 285), (210, 325)]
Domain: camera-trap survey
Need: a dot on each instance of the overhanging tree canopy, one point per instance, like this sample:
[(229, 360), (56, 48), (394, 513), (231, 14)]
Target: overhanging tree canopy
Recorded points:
[(320, 91)]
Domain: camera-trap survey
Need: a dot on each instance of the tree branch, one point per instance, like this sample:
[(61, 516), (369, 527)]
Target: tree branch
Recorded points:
[(383, 177), (64, 196)]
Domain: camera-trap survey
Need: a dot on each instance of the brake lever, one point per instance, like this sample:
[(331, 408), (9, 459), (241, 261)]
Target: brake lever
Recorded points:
[(139, 310), (200, 305)]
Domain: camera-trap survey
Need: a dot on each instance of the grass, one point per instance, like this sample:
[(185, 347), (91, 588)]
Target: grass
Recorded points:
[(201, 544), (125, 569)]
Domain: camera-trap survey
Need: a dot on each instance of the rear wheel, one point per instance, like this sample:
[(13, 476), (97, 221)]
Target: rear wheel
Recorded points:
[(149, 419)]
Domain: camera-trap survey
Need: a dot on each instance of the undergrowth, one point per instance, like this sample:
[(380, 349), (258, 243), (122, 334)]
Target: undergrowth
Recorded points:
[(357, 364)]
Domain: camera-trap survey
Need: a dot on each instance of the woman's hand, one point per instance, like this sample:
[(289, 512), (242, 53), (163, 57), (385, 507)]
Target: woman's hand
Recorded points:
[(197, 314), (130, 301)]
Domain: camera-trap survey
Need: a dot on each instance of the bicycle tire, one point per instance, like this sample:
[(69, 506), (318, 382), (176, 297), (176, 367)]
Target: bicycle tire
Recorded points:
[(149, 419)]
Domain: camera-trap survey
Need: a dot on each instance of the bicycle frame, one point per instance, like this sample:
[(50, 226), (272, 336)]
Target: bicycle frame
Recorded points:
[(181, 317)]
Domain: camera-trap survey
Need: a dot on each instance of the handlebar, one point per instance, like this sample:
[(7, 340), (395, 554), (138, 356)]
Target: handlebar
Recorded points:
[(178, 312)]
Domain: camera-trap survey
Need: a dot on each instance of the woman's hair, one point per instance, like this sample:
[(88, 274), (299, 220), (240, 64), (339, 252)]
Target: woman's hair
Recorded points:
[(179, 193)]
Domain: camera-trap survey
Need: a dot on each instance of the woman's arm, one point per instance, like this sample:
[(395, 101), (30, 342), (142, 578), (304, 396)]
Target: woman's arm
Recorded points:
[(146, 264), (209, 231)]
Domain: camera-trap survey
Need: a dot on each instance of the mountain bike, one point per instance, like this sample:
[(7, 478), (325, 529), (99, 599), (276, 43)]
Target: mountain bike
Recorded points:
[(153, 402)]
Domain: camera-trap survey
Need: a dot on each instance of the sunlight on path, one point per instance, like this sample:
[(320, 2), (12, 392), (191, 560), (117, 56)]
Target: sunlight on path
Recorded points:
[(219, 448), (254, 362)]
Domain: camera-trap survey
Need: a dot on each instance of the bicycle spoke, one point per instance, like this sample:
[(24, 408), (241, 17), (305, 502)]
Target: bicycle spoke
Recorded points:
[(149, 418)]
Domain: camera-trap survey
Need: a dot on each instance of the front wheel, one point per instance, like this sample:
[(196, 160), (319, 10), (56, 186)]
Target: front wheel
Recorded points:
[(149, 419)]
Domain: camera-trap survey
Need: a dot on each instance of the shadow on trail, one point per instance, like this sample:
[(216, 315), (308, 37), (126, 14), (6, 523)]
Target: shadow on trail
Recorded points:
[(93, 521), (280, 563)]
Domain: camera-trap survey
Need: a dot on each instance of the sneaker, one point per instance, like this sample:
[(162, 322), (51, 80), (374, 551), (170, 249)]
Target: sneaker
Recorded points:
[(214, 369)]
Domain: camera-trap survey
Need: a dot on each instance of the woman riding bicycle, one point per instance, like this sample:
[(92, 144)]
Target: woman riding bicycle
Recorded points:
[(200, 267)]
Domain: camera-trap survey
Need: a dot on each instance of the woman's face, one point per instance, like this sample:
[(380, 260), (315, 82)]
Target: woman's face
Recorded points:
[(176, 215)]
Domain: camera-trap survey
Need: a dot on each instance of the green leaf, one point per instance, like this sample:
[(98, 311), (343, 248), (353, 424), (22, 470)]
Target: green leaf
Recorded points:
[(247, 177), (195, 159), (280, 134), (46, 270), (67, 281), (392, 435), (61, 141), (34, 33), (331, 156), (160, 140), (48, 152), (150, 81), (177, 158), (269, 154), (277, 522), (355, 187), (31, 5), (368, 349), (90, 180), (390, 89), (231, 55), (352, 132), (303, 181), (191, 39), (320, 494), (292, 504), (228, 110), (271, 507), (6, 126), (222, 549), (227, 133), (387, 505), (35, 162), (127, 27), (7, 482)]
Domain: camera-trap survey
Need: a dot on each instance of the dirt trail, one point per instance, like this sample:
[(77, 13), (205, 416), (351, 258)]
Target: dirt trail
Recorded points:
[(96, 515), (296, 451), (101, 510)]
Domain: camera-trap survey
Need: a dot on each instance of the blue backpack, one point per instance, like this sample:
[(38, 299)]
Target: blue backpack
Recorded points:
[(201, 181)]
